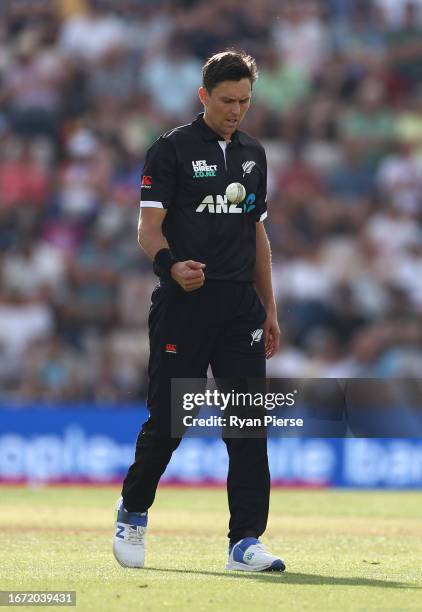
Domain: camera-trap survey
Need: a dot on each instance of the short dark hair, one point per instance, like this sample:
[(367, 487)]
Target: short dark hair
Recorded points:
[(229, 65)]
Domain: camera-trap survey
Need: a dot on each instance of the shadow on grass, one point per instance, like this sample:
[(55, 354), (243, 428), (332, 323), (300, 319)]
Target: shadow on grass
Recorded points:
[(294, 578)]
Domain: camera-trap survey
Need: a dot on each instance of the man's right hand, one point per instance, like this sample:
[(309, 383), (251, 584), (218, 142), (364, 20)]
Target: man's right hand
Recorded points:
[(189, 274)]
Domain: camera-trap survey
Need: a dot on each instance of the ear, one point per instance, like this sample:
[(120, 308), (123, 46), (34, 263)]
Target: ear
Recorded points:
[(202, 93)]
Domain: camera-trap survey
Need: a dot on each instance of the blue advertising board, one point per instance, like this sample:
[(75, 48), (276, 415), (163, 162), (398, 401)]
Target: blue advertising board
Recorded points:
[(96, 445)]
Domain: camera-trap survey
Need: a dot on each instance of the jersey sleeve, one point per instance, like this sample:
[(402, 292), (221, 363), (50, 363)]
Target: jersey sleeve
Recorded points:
[(261, 194), (159, 175)]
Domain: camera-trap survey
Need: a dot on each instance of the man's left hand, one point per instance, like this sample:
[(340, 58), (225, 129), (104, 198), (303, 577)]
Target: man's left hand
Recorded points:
[(271, 335)]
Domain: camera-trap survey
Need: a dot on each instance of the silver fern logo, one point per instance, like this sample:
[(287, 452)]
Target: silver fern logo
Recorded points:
[(247, 167), (256, 335)]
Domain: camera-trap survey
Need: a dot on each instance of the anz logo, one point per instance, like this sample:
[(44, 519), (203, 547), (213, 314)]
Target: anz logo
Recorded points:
[(218, 204)]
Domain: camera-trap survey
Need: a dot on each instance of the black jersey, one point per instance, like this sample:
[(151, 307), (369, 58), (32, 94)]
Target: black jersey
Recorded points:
[(186, 172)]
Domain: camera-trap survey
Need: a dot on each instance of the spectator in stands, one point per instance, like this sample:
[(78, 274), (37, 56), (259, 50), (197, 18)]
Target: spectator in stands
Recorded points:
[(399, 179), (89, 36), (32, 86), (371, 121), (92, 287), (22, 320), (280, 86), (23, 181), (34, 269), (51, 371), (405, 43), (409, 124), (174, 73), (352, 179), (300, 35)]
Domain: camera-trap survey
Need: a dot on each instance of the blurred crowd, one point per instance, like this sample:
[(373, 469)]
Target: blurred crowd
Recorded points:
[(87, 85)]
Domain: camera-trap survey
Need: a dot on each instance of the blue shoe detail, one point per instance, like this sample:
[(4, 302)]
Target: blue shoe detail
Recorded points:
[(249, 555), (276, 566), (241, 547), (137, 519)]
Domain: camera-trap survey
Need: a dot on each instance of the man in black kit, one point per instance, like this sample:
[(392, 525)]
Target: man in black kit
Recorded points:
[(214, 304)]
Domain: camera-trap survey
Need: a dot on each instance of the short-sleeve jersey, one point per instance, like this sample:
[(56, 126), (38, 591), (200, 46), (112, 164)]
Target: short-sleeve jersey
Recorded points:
[(186, 172)]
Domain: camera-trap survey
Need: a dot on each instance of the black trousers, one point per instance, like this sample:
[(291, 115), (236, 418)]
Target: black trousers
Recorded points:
[(210, 326)]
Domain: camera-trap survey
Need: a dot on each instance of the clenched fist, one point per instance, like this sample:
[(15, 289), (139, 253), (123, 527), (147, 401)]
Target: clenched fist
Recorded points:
[(189, 274)]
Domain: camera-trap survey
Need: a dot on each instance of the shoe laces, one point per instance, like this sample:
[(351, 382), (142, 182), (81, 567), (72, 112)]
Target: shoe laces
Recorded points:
[(136, 534)]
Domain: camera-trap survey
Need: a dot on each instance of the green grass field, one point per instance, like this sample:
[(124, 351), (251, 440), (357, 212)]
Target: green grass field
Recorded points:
[(344, 551)]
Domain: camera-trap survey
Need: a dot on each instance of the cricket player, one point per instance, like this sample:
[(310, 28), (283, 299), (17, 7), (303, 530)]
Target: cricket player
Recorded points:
[(214, 304)]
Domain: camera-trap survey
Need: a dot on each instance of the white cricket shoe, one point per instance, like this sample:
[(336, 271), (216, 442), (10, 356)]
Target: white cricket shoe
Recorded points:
[(249, 555), (129, 536)]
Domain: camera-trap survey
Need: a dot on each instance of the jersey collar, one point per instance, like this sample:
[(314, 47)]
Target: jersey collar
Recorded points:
[(209, 134)]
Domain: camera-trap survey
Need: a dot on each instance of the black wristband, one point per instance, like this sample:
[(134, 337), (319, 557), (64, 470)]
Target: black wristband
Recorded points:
[(163, 262)]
